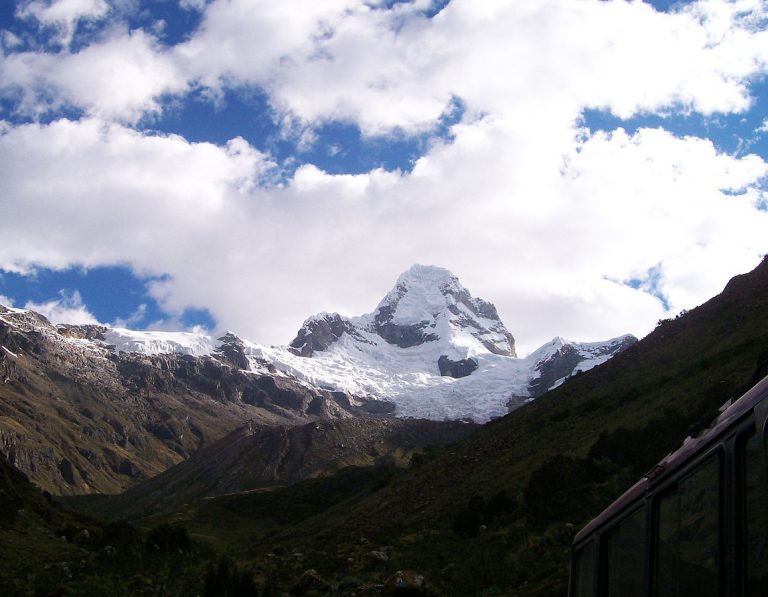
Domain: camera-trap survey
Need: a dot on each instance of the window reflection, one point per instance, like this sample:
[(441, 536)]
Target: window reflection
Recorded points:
[(756, 519), (688, 539), (624, 550)]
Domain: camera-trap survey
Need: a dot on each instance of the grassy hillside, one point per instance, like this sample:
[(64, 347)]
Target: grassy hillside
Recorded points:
[(46, 550), (267, 456)]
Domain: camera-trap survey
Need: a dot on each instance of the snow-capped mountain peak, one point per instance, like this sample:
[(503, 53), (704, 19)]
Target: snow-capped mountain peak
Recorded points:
[(429, 303), (430, 347), (420, 294), (428, 307)]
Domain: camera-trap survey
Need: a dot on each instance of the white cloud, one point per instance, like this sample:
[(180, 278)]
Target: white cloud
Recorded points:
[(538, 234), (63, 14), (247, 40), (137, 320), (6, 301), (121, 78), (105, 191), (133, 320), (69, 308), (197, 5), (659, 199), (9, 40), (529, 211), (395, 68)]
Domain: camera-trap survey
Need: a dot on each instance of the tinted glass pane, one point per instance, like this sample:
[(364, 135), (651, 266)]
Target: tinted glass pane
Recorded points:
[(584, 572), (625, 555), (688, 540), (756, 517)]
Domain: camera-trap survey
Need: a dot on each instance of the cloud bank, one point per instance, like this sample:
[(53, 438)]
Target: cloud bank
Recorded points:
[(570, 232)]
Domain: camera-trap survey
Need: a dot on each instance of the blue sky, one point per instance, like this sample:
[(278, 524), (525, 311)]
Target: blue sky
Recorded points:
[(590, 167)]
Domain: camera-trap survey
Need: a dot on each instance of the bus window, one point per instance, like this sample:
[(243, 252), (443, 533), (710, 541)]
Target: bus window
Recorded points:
[(688, 535), (756, 510), (624, 554), (584, 571)]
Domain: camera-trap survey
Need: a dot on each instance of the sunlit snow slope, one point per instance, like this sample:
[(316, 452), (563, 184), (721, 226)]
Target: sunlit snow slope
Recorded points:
[(429, 347)]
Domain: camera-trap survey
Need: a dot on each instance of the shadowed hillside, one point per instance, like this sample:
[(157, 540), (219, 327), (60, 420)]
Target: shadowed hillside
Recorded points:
[(45, 550), (266, 456)]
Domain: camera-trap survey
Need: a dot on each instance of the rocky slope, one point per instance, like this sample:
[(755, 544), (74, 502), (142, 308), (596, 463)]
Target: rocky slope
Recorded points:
[(258, 456), (77, 416)]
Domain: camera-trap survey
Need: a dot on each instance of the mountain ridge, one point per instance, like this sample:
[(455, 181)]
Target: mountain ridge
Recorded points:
[(427, 346), (430, 348), (89, 408), (495, 513), (78, 416)]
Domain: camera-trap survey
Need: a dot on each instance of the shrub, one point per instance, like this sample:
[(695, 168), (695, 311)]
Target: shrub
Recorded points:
[(560, 489), (469, 520), (166, 538), (225, 579), (120, 534)]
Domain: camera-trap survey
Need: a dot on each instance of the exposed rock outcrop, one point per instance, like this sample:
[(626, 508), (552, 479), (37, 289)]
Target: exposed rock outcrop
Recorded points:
[(320, 331), (427, 304), (411, 312), (456, 369)]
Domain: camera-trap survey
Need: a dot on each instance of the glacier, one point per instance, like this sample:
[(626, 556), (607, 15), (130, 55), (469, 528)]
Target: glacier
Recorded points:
[(392, 353)]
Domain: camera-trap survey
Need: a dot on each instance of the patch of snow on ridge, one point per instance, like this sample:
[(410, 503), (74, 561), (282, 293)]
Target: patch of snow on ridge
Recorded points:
[(409, 378), (371, 367), (152, 343), (596, 353), (420, 294), (13, 354)]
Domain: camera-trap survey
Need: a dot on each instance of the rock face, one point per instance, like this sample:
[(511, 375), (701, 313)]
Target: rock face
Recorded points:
[(402, 335), (77, 416), (319, 332), (428, 304), (456, 369), (412, 311), (232, 351)]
